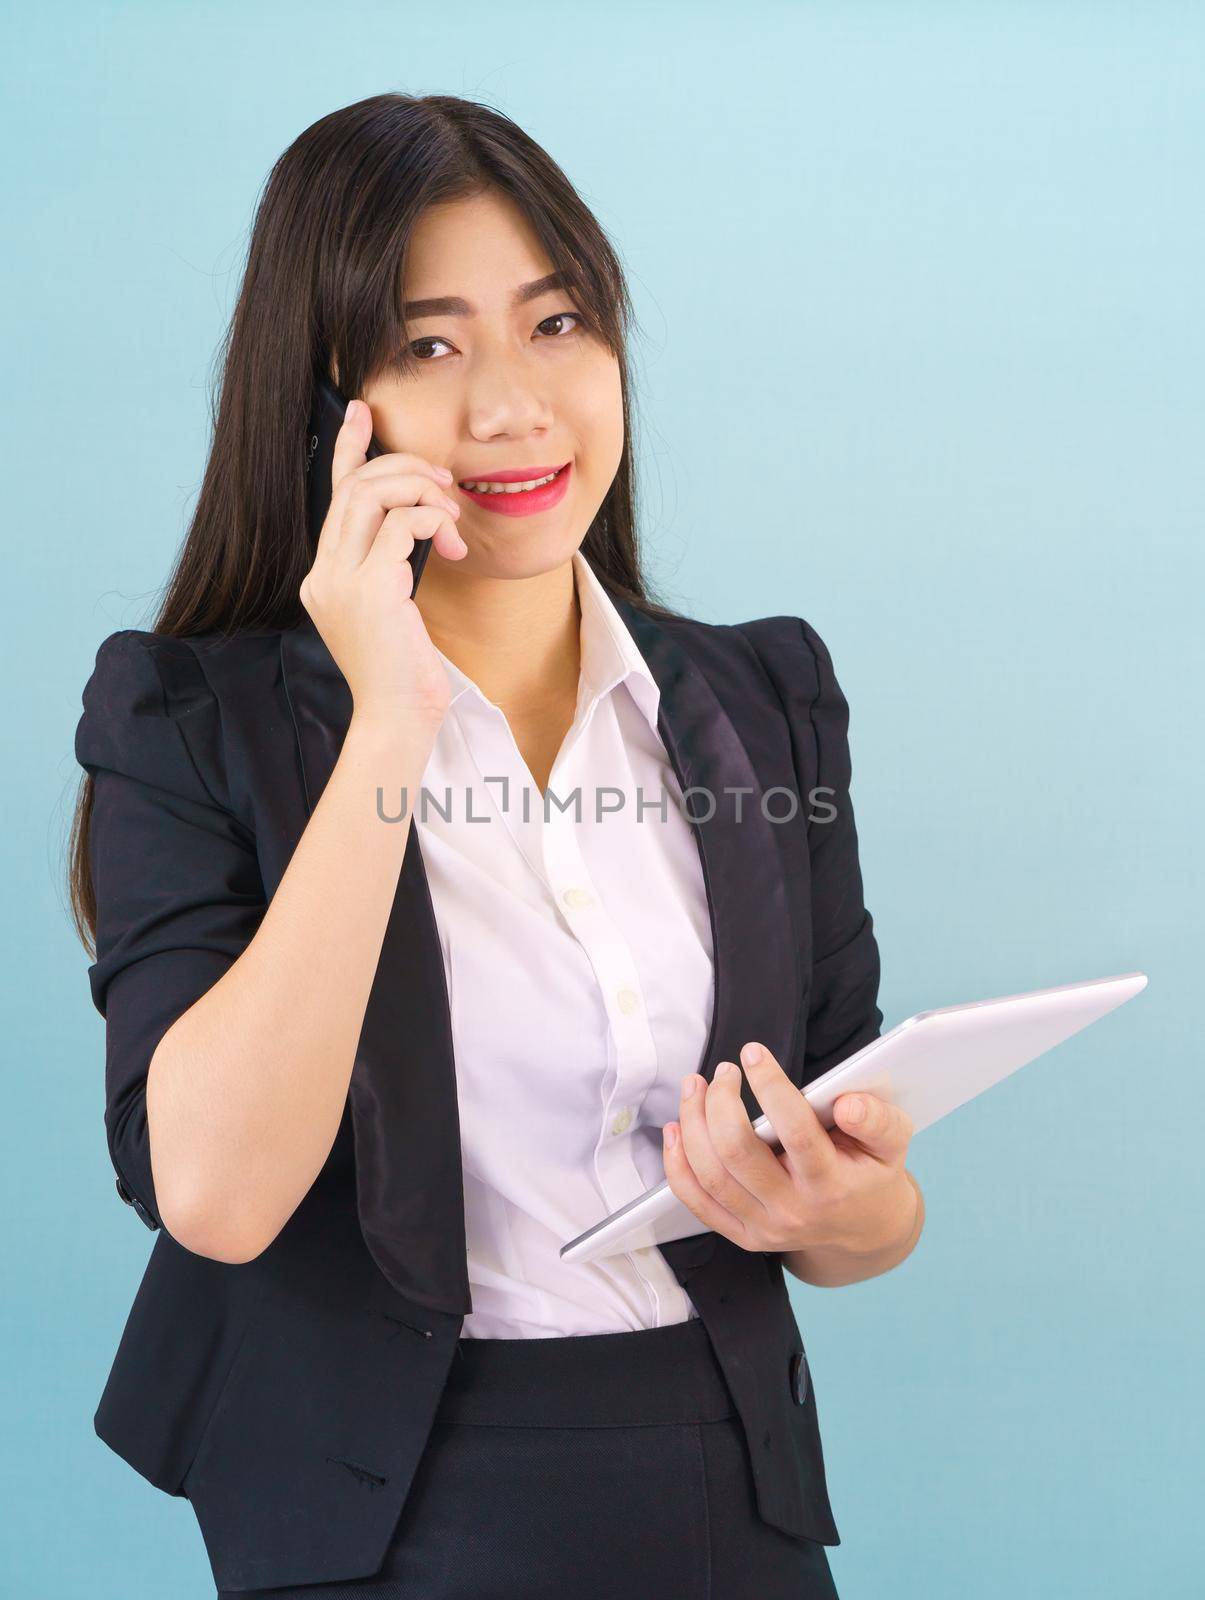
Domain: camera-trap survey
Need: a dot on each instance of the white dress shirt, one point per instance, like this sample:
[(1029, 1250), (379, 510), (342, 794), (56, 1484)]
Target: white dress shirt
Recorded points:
[(578, 957)]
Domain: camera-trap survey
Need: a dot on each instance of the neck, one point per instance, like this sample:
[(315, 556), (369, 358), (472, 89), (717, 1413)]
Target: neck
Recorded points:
[(517, 638)]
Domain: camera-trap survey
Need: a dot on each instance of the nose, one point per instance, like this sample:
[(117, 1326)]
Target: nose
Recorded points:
[(503, 402)]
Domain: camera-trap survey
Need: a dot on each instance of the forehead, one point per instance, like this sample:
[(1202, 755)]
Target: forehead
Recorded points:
[(480, 249)]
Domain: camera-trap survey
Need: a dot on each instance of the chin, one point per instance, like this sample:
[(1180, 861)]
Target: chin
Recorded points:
[(522, 557)]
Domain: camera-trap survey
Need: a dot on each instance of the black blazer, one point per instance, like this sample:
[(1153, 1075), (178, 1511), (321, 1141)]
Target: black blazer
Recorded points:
[(289, 1397)]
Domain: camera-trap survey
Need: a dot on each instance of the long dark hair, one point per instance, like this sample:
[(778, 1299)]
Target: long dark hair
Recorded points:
[(324, 270)]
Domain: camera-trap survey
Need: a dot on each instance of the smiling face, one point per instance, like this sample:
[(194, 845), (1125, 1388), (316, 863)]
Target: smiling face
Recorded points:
[(509, 384)]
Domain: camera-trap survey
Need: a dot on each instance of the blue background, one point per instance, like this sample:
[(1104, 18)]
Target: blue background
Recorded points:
[(921, 361)]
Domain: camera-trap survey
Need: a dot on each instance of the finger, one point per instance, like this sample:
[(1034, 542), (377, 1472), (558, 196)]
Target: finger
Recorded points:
[(749, 1159), (351, 449), (800, 1131), (706, 1163), (351, 442), (406, 461), (350, 466), (686, 1186), (883, 1129), (444, 534), (401, 530), (368, 499)]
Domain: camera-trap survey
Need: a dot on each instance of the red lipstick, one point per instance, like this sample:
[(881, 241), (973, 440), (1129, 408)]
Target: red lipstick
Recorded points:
[(527, 501)]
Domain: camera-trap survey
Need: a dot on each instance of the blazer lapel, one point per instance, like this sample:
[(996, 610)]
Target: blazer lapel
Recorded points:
[(755, 945), (405, 1118)]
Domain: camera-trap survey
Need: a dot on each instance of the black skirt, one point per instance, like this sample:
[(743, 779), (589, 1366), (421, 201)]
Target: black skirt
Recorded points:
[(605, 1466)]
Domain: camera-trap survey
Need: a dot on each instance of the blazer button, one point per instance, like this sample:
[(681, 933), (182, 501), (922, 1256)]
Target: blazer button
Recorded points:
[(139, 1209), (799, 1377)]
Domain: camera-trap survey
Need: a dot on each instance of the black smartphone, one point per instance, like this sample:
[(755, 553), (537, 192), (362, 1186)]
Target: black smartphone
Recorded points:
[(326, 419)]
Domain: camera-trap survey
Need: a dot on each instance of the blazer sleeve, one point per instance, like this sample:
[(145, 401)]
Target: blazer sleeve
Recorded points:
[(179, 893), (843, 1011)]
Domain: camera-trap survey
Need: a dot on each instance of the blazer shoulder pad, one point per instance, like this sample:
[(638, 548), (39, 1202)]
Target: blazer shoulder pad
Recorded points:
[(798, 663), (150, 714), (791, 651)]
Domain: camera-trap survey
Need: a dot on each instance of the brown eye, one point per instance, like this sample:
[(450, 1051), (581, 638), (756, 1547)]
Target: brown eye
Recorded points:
[(419, 343), (562, 316), (419, 346)]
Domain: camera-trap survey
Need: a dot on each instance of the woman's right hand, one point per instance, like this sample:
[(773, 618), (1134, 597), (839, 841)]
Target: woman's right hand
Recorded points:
[(359, 589)]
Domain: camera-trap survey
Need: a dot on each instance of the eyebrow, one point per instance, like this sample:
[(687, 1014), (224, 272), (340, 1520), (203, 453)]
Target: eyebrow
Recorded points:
[(454, 305)]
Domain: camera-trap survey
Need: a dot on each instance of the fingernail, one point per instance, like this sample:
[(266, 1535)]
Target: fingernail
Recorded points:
[(688, 1085), (347, 415), (751, 1054), (856, 1111), (444, 473), (723, 1070), (671, 1135)]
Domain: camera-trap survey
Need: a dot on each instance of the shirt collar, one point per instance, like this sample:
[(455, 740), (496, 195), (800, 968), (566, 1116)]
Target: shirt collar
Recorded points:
[(609, 655)]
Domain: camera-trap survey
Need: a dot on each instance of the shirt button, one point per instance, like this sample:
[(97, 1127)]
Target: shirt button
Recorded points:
[(623, 1121), (628, 1000), (578, 897)]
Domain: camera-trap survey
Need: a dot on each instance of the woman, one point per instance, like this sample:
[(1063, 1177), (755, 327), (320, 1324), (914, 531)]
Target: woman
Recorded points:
[(370, 1065)]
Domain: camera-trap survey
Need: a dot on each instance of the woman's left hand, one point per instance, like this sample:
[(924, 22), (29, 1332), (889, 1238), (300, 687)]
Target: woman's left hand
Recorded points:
[(843, 1189)]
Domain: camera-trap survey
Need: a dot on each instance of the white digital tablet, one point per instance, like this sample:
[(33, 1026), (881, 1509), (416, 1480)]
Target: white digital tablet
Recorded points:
[(929, 1065)]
